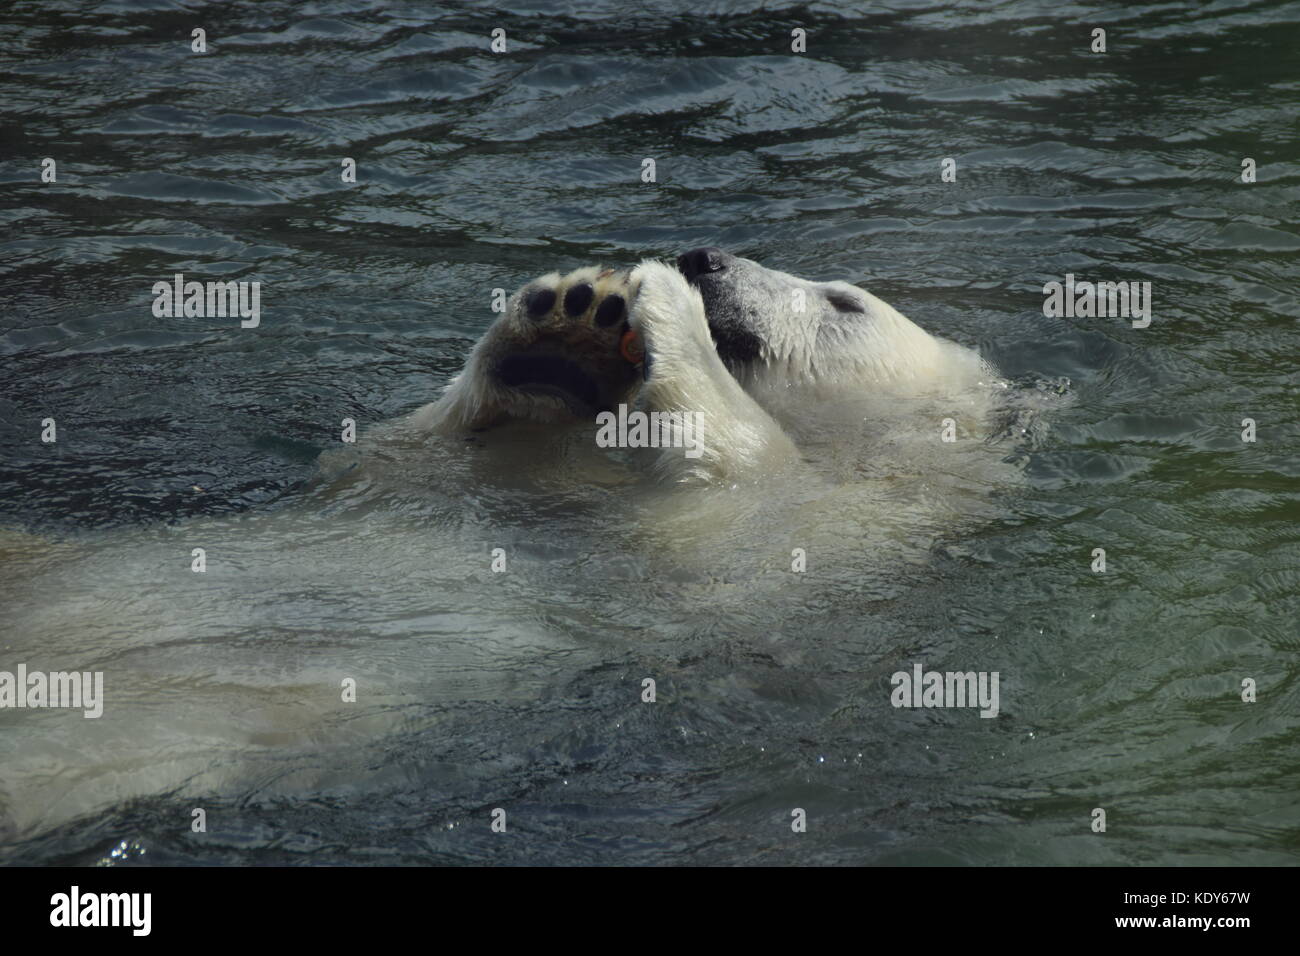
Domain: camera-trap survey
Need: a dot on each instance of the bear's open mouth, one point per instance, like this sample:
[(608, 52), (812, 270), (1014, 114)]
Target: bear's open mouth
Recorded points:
[(551, 375)]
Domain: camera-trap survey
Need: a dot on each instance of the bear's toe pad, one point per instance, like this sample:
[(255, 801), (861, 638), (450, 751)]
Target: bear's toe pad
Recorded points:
[(578, 347)]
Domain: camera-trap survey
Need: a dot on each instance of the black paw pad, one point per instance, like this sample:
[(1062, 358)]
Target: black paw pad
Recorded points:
[(577, 299), (610, 311), (538, 302)]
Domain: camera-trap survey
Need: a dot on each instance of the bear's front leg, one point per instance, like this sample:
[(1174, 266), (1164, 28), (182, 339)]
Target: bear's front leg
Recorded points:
[(735, 439)]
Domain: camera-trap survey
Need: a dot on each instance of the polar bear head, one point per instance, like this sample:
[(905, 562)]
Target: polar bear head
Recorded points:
[(775, 326)]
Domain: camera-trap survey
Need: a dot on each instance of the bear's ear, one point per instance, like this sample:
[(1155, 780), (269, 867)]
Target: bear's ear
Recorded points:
[(844, 301)]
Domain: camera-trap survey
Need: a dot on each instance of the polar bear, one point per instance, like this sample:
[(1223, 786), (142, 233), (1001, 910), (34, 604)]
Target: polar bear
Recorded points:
[(718, 336), (822, 420)]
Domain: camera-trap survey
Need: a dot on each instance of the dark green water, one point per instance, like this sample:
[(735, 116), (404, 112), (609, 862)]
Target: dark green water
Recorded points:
[(476, 170)]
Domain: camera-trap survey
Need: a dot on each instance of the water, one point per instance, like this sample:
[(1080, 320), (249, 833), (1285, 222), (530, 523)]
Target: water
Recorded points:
[(522, 690)]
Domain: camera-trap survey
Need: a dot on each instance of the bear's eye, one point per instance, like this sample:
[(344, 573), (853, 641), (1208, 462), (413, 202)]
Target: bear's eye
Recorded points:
[(844, 302)]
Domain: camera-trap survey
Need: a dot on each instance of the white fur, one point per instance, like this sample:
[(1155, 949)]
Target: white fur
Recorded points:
[(739, 439), (473, 400)]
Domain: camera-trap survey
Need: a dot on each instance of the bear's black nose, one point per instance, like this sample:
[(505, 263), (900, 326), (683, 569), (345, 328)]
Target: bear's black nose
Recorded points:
[(697, 262)]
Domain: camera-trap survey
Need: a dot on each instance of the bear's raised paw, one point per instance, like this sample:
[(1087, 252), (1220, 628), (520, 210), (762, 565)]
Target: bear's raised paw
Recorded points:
[(571, 340)]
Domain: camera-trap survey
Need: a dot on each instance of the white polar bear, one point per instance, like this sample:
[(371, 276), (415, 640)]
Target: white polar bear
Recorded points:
[(719, 336)]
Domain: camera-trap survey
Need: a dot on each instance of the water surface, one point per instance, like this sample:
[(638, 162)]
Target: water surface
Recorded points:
[(522, 690)]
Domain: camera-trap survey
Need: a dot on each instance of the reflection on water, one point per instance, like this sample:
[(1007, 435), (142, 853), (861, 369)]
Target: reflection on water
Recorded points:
[(523, 689)]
